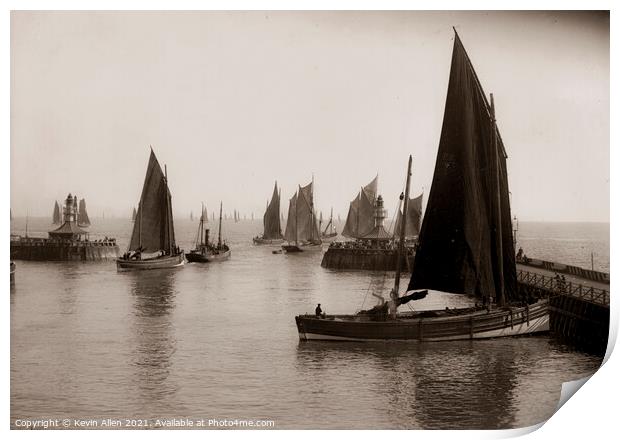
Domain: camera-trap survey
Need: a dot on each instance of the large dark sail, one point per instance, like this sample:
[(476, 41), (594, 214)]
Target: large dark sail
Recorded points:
[(83, 219), (271, 219), (465, 244), (56, 216), (414, 215), (154, 229)]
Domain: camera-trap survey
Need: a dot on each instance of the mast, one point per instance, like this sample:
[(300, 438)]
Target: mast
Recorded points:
[(219, 232), (498, 222), (201, 223), (312, 208), (401, 243)]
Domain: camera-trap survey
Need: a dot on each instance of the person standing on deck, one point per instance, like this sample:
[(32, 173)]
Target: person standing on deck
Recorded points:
[(318, 312)]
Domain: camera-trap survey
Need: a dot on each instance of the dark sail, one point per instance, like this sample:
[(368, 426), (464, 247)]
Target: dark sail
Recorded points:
[(271, 219), (83, 219), (307, 227), (290, 234), (414, 214), (465, 244), (350, 225), (56, 216), (154, 229), (361, 217)]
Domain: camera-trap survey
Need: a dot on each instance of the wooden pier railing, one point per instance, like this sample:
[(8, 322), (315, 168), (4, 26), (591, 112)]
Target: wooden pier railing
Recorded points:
[(559, 287)]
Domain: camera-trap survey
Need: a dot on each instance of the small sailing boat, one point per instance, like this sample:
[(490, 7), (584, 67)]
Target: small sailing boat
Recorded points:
[(82, 219), (465, 244), (56, 220), (206, 251), (133, 215), (329, 233), (302, 232), (272, 229), (152, 244)]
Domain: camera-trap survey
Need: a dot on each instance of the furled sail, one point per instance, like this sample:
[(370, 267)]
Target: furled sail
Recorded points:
[(465, 244), (290, 234), (361, 217), (154, 229), (56, 217), (83, 219), (271, 219), (414, 214)]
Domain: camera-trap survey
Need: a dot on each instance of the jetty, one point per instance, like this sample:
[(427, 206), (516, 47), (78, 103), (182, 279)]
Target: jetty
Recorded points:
[(66, 243), (578, 301)]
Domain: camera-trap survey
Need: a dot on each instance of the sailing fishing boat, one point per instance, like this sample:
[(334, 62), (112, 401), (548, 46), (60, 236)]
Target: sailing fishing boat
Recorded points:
[(465, 243), (56, 216), (82, 219), (329, 233), (302, 232), (152, 244), (272, 229), (133, 215)]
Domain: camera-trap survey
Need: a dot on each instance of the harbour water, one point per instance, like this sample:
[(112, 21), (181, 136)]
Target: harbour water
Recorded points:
[(219, 341)]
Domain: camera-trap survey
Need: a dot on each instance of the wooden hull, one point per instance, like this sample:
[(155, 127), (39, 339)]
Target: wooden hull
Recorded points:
[(221, 256), (420, 326), (261, 241), (165, 262), (205, 257)]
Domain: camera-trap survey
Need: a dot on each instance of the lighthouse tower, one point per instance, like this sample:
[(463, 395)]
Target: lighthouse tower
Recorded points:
[(69, 230)]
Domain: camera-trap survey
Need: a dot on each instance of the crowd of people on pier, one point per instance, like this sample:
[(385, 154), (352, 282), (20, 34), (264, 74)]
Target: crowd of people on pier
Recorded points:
[(368, 245)]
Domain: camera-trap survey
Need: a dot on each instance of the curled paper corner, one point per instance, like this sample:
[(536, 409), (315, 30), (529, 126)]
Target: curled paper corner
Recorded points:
[(569, 389)]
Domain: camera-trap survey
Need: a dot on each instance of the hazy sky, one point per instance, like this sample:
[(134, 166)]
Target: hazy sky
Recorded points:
[(232, 101)]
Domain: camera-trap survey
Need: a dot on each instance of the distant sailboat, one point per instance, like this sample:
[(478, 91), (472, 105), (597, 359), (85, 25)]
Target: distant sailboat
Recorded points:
[(83, 220), (152, 244), (191, 216), (302, 232), (465, 244), (414, 215), (272, 228), (56, 216), (360, 219), (330, 232), (133, 215)]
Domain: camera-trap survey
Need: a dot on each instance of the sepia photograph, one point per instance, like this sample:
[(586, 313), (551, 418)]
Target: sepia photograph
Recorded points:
[(306, 220)]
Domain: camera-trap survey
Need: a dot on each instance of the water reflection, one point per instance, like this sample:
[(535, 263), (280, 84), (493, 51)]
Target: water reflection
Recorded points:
[(450, 385), (155, 341)]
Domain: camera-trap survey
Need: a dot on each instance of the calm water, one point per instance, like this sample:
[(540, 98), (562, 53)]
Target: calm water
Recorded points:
[(219, 341)]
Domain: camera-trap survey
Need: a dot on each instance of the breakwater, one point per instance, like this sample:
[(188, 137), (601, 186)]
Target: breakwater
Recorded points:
[(343, 258), (44, 249)]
